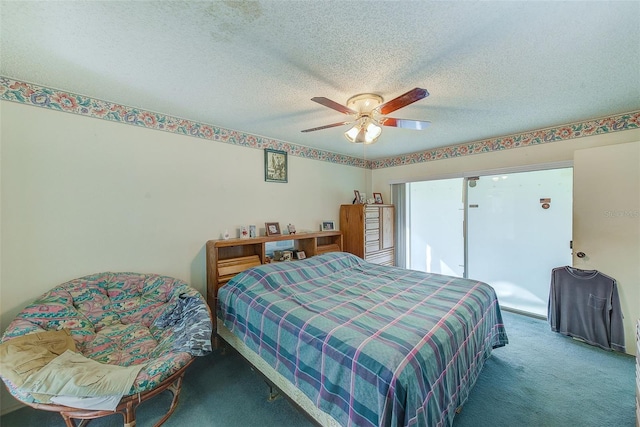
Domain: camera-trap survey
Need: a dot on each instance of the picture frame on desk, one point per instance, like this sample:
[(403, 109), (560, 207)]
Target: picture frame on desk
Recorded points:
[(328, 225), (377, 198), (272, 228)]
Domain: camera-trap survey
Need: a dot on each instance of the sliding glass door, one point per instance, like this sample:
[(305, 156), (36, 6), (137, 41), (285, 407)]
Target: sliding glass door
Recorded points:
[(436, 213), (518, 227)]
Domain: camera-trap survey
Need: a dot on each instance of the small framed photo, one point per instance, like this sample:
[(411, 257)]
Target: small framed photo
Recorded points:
[(300, 255), (244, 232), (273, 228), (291, 228), (275, 165), (252, 231), (357, 199), (377, 197), (328, 226)]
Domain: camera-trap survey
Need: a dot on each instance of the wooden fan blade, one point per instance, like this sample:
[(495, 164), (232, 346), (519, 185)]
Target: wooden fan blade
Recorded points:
[(403, 100), (332, 125), (333, 105), (404, 123)]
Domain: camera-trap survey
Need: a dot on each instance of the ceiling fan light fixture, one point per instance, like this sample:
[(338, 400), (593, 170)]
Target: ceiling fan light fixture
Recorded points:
[(372, 133), (365, 131), (370, 113), (352, 133)]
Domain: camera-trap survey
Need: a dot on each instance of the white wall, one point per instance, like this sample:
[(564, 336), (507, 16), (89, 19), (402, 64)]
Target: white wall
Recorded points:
[(606, 227), (83, 195)]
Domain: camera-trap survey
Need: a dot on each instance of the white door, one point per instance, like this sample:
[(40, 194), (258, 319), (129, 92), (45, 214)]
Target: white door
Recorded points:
[(606, 221)]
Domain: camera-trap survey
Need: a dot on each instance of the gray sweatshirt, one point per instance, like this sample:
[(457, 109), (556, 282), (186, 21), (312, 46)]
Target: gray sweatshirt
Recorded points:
[(585, 304)]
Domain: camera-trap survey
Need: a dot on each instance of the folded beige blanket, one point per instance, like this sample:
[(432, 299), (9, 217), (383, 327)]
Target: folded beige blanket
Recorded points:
[(25, 355), (72, 374)]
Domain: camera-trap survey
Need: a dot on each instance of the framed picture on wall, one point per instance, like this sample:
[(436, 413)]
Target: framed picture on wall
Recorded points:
[(275, 165)]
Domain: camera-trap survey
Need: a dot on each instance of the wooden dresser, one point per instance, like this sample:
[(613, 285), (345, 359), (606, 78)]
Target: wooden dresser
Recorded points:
[(368, 232)]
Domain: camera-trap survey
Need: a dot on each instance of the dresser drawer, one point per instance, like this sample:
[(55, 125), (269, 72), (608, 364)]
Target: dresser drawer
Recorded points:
[(371, 235), (371, 213), (382, 257), (371, 247), (372, 223)]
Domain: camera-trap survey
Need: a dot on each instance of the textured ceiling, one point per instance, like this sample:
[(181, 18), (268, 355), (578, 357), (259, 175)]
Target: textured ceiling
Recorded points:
[(491, 68)]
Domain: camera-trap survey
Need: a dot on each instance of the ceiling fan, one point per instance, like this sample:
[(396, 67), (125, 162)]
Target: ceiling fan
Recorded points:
[(370, 113)]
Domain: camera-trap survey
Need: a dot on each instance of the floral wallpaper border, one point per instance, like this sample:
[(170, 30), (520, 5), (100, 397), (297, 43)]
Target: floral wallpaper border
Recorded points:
[(611, 124), (40, 96)]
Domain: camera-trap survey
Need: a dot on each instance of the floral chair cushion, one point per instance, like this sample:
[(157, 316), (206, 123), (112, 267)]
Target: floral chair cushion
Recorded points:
[(112, 319)]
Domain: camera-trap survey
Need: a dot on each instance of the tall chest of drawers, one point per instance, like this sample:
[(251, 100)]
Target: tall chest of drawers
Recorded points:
[(368, 232)]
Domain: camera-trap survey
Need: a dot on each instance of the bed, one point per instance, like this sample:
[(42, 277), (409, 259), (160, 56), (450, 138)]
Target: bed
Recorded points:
[(359, 344)]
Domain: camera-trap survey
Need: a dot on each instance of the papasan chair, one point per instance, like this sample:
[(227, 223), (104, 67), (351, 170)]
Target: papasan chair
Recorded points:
[(103, 344)]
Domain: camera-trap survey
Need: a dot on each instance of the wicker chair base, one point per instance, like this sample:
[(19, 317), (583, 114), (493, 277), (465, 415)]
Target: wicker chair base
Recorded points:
[(126, 407)]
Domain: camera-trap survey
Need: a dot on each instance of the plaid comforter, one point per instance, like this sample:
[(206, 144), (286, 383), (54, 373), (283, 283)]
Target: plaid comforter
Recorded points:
[(370, 345)]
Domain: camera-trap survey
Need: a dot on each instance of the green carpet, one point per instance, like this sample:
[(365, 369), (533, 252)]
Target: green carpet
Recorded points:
[(540, 379), (546, 379)]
